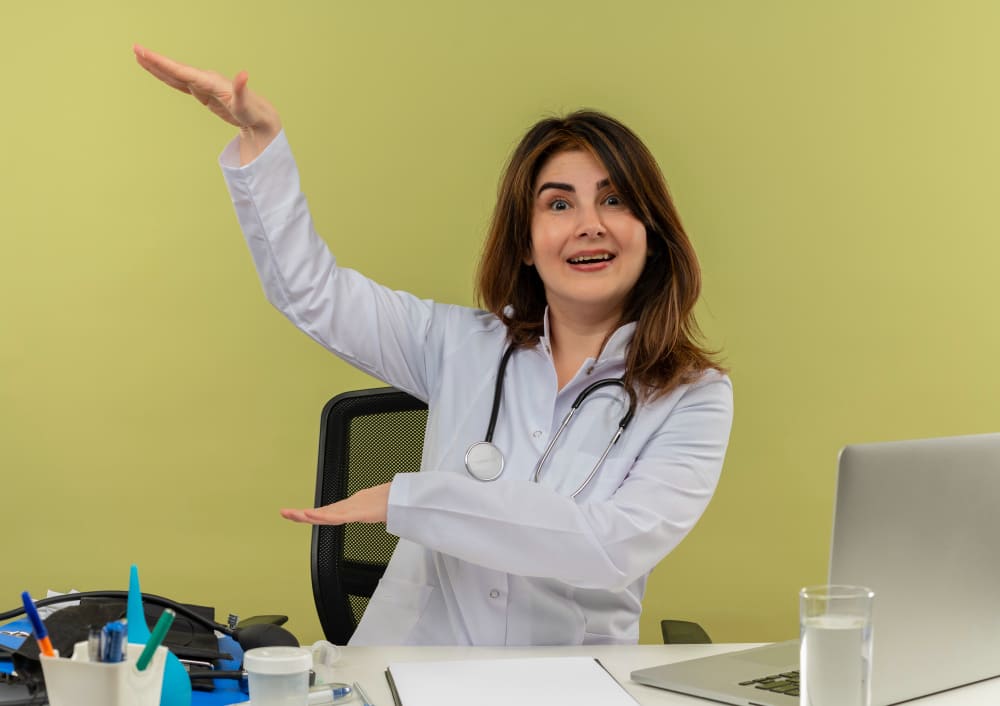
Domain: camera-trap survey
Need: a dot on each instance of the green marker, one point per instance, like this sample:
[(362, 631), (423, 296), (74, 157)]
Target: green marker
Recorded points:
[(155, 639)]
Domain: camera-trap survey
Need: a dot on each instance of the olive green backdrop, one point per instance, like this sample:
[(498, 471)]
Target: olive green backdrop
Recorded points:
[(835, 164)]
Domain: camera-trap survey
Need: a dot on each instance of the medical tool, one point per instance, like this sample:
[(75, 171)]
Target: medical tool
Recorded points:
[(484, 461)]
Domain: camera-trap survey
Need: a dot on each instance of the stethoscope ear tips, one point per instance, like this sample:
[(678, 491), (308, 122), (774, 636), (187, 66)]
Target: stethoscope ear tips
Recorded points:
[(484, 461)]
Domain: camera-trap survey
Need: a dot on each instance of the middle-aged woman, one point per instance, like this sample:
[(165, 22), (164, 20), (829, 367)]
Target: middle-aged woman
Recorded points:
[(586, 276)]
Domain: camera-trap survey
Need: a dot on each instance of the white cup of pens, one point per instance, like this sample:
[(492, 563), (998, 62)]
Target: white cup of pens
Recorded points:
[(104, 670)]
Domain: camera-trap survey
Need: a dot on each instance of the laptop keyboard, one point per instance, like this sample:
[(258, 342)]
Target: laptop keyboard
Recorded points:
[(784, 683)]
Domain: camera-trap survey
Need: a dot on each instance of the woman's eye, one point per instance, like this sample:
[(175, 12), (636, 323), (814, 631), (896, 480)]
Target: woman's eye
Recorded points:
[(559, 205), (614, 200)]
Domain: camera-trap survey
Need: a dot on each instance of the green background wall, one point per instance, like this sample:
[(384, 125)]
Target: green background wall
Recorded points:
[(835, 164)]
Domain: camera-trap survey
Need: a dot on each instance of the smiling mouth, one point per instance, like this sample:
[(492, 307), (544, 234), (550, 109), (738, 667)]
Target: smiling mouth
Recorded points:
[(591, 259)]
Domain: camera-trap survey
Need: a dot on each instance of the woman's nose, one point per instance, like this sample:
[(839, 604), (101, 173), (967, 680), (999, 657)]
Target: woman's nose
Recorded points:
[(590, 225)]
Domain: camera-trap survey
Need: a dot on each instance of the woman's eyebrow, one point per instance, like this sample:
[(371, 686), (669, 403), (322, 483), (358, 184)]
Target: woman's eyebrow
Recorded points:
[(569, 187), (555, 185)]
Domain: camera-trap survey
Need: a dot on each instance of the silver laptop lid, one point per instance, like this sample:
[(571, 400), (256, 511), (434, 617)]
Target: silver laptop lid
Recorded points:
[(919, 523)]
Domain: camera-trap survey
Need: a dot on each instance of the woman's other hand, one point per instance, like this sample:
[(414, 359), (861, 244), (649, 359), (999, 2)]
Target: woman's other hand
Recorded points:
[(231, 100), (368, 505)]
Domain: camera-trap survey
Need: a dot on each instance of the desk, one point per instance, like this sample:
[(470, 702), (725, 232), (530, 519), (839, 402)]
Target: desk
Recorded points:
[(367, 665)]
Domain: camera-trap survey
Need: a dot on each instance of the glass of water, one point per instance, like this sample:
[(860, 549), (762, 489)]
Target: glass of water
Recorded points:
[(835, 663)]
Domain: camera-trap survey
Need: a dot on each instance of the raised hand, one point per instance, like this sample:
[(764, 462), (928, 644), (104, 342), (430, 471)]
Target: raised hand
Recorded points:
[(231, 100), (368, 505)]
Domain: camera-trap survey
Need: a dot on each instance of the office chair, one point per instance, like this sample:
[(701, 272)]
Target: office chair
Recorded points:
[(683, 632), (365, 438)]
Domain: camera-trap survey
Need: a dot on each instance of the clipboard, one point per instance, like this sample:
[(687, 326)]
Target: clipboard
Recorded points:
[(532, 681)]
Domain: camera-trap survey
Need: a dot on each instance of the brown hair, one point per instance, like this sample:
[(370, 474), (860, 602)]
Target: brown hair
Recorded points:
[(664, 352)]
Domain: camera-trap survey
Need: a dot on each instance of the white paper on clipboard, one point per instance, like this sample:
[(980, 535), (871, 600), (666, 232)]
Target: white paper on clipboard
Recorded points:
[(535, 681)]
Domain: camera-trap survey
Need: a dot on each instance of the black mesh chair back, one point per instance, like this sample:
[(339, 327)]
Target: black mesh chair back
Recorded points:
[(366, 437)]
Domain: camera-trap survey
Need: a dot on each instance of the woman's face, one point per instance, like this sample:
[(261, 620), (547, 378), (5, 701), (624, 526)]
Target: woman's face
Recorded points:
[(587, 246)]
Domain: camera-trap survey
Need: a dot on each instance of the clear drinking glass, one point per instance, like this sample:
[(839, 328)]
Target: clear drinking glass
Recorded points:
[(835, 663)]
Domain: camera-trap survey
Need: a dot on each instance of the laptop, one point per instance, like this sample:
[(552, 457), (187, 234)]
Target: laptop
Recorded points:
[(917, 522)]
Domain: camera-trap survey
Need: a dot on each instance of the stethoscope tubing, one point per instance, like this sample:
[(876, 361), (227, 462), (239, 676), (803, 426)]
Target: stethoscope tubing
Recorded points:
[(572, 412), (475, 453), (498, 393)]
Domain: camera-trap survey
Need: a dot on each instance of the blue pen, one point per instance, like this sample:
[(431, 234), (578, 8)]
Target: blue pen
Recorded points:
[(41, 634), (112, 643)]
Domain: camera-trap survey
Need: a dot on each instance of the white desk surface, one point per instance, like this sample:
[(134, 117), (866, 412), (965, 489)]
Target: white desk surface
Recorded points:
[(367, 666)]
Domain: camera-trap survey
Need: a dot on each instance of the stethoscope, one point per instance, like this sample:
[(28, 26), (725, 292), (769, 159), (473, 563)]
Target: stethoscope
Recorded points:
[(484, 461)]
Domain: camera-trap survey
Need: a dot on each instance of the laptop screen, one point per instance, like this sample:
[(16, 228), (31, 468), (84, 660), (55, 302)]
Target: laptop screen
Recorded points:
[(917, 522)]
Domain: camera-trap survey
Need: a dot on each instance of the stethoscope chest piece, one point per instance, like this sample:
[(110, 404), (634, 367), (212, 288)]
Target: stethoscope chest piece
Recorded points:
[(484, 461)]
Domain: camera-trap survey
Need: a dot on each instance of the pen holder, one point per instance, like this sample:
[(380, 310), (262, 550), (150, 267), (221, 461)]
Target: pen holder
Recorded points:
[(80, 682)]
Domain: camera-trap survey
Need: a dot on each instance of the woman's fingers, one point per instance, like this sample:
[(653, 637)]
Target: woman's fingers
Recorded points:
[(294, 515), (209, 88), (239, 89), (329, 515), (172, 73)]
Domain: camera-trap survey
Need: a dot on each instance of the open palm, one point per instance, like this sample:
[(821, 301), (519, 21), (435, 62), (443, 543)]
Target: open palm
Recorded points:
[(230, 99)]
